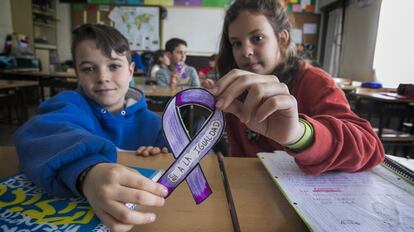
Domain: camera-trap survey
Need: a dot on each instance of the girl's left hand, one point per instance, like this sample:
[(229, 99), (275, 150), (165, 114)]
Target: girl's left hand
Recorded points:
[(268, 109), (150, 150)]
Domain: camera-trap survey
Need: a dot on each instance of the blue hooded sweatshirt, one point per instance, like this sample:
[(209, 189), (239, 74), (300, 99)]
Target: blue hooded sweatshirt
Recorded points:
[(72, 133)]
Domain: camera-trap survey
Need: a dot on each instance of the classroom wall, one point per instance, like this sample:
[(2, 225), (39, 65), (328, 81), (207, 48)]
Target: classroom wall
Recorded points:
[(63, 31), (6, 26), (323, 3), (358, 45), (199, 26)]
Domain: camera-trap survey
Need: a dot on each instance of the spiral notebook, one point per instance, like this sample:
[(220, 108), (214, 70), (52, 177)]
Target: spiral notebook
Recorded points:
[(379, 199)]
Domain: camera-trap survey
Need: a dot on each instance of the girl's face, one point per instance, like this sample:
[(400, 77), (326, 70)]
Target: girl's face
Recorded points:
[(254, 44), (165, 60), (104, 80)]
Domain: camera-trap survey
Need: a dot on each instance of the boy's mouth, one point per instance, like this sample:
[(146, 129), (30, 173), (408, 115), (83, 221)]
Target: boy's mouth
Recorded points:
[(104, 90)]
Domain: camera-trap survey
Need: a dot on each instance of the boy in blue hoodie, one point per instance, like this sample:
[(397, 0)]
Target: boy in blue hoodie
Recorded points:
[(70, 148)]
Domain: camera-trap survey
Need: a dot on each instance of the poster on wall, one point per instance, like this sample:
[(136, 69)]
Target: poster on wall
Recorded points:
[(140, 25), (187, 2), (159, 2)]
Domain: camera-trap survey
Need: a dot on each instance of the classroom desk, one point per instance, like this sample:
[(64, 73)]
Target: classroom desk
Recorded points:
[(158, 91), (16, 99), (180, 213), (55, 79), (382, 95), (259, 204)]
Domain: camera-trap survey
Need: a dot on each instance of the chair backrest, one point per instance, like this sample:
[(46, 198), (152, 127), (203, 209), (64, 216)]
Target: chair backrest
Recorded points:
[(147, 58)]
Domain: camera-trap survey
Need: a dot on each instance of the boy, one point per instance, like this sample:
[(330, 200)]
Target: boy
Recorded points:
[(177, 73), (70, 148)]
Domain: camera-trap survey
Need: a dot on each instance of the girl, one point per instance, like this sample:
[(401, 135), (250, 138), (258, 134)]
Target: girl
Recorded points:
[(277, 101), (161, 60), (70, 147)]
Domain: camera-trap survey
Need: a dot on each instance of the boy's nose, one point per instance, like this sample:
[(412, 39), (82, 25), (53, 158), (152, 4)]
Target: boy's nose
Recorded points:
[(103, 76)]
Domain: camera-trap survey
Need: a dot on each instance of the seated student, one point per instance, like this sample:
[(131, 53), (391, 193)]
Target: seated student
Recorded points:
[(209, 73), (276, 101), (177, 73), (70, 148), (161, 60)]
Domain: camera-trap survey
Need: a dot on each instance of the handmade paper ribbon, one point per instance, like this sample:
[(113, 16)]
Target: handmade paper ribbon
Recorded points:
[(187, 152)]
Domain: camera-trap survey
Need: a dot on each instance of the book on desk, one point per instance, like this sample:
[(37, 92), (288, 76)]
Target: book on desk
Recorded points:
[(25, 207), (379, 199)]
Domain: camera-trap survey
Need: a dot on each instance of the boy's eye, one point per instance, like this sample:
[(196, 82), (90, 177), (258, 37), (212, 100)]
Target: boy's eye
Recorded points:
[(88, 69), (114, 67)]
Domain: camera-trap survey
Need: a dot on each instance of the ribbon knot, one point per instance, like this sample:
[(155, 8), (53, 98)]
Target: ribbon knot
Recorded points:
[(189, 152)]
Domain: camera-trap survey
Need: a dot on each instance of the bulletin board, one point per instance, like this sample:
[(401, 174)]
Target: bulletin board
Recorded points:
[(141, 25)]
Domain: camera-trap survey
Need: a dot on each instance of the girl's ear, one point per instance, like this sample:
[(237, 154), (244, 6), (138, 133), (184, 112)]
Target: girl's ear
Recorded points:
[(284, 37)]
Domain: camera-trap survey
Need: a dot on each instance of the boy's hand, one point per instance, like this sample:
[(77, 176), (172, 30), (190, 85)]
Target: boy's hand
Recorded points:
[(150, 150), (174, 79), (108, 187)]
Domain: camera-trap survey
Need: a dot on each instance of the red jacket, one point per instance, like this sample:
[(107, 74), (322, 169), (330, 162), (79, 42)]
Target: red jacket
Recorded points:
[(342, 140)]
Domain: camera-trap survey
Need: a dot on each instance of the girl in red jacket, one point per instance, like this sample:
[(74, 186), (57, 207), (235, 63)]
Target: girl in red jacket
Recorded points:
[(276, 101)]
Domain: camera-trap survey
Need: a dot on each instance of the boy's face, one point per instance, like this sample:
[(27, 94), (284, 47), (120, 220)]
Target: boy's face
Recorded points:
[(104, 80), (178, 55)]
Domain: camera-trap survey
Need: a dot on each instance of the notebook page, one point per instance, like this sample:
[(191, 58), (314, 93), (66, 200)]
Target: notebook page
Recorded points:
[(337, 201)]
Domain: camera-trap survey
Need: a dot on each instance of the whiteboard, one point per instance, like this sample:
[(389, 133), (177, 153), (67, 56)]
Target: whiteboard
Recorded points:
[(199, 27)]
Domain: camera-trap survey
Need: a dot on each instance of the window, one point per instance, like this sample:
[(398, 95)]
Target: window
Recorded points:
[(394, 49)]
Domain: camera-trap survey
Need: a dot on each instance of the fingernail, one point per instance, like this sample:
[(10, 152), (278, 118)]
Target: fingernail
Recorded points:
[(151, 218), (219, 103), (164, 192)]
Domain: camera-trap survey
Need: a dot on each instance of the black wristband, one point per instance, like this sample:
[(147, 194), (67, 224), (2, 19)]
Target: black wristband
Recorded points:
[(81, 178)]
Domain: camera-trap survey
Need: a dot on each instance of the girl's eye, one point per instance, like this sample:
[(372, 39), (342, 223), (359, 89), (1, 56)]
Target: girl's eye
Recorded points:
[(257, 38), (88, 69), (236, 44)]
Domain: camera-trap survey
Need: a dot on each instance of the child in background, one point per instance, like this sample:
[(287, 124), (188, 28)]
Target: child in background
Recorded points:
[(70, 148), (209, 74), (276, 101), (161, 60), (177, 73)]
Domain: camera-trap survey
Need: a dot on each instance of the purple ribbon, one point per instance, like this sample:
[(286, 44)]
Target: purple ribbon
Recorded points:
[(187, 152)]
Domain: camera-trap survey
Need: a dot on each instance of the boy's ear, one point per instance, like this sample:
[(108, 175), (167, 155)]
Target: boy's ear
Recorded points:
[(131, 69), (284, 37)]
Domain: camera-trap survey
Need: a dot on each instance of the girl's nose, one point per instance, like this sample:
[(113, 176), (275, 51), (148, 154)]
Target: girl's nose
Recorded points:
[(247, 50)]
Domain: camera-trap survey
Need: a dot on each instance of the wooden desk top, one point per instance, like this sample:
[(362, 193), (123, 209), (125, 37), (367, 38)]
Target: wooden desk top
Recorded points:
[(5, 84), (180, 212), (40, 74), (158, 91), (259, 204), (383, 95)]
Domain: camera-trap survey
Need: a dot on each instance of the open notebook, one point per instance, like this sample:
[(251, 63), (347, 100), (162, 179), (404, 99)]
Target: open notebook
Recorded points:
[(25, 207), (380, 199)]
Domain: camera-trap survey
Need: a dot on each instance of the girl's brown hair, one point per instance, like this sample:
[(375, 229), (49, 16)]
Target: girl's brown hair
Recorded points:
[(279, 20)]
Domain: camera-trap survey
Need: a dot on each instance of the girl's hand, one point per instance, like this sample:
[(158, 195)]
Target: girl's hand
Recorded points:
[(268, 109), (108, 187), (150, 150), (207, 83)]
